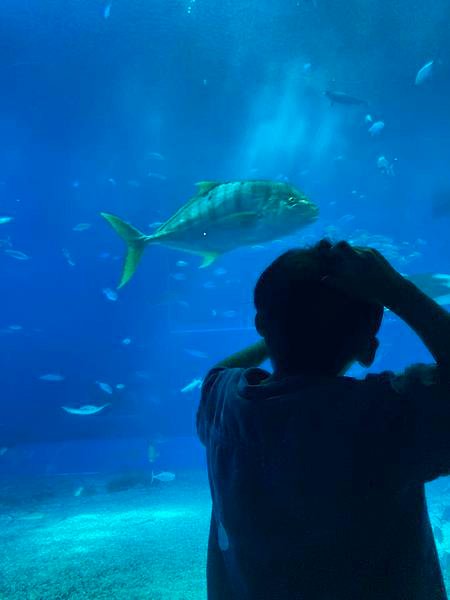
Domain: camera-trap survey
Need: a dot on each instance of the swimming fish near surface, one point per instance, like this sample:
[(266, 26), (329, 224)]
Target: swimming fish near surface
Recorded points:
[(343, 98), (87, 409), (221, 217)]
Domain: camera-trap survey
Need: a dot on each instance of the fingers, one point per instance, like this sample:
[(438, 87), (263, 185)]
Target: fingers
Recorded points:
[(343, 245), (324, 244), (342, 251)]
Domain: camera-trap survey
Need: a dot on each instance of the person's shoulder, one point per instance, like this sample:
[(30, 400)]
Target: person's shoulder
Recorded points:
[(414, 377)]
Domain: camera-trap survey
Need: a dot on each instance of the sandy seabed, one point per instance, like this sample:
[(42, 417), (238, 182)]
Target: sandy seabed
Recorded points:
[(146, 542)]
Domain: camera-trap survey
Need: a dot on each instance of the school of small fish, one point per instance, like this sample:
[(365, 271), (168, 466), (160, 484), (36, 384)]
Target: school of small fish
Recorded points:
[(225, 215)]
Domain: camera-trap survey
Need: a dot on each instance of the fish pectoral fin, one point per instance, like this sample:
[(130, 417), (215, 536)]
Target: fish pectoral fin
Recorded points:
[(208, 259), (204, 187), (239, 219)]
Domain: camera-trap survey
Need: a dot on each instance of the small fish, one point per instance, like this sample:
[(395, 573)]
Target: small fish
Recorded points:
[(82, 227), (152, 453), (107, 11), (75, 184), (142, 374), (376, 128), (17, 254), (110, 294), (386, 167), (15, 327), (368, 119), (342, 98), (181, 263), (87, 409), (281, 177), (120, 386), (68, 257), (209, 285), (307, 67), (156, 156), (164, 476), (105, 387), (219, 271), (4, 220), (179, 276), (3, 450), (126, 341), (159, 176), (78, 492), (229, 314), (196, 353), (193, 385), (112, 181), (346, 219), (425, 73), (52, 377)]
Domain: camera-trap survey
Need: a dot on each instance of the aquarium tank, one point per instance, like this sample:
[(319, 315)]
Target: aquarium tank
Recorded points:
[(155, 157)]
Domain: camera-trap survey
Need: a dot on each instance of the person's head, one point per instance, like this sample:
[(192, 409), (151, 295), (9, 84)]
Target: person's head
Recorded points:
[(308, 325)]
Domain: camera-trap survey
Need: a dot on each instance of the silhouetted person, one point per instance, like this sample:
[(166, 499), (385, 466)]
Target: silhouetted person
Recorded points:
[(317, 479)]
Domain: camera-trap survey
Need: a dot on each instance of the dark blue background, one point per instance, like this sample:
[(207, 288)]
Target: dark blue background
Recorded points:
[(222, 92)]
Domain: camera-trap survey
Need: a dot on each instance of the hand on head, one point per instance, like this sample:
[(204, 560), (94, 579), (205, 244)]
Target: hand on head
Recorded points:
[(362, 272)]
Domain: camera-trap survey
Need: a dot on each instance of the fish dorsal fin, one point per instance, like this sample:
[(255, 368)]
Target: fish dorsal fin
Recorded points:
[(204, 187)]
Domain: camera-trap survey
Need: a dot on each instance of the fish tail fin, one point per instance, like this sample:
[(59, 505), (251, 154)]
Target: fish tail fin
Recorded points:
[(135, 241), (208, 259)]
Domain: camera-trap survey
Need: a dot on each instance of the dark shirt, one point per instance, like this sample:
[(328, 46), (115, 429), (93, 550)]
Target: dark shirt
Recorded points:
[(317, 485)]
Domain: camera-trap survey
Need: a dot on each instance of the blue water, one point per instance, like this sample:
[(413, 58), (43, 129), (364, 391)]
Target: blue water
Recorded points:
[(121, 107)]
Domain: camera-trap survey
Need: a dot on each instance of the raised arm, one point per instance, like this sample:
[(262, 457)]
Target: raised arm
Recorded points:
[(365, 273), (252, 356), (430, 321)]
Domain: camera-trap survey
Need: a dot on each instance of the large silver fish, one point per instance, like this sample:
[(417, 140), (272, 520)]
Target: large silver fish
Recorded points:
[(221, 217)]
